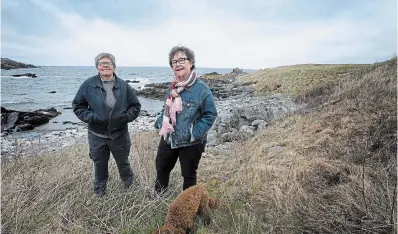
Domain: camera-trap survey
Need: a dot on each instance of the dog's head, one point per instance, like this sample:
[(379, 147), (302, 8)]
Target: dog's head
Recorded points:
[(169, 229)]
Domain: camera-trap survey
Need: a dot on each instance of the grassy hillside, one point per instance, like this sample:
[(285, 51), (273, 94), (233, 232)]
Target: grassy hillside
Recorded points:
[(293, 80), (328, 169), (332, 170)]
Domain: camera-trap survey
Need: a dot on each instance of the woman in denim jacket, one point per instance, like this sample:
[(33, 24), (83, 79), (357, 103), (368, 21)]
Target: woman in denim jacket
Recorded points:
[(188, 114)]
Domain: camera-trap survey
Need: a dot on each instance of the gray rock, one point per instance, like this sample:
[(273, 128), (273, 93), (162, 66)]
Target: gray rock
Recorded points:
[(211, 139), (259, 124), (247, 130), (255, 112)]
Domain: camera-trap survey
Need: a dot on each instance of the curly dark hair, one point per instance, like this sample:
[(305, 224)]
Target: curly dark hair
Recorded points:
[(188, 52)]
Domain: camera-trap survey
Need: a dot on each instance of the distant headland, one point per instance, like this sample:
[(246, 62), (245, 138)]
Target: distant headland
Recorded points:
[(8, 64)]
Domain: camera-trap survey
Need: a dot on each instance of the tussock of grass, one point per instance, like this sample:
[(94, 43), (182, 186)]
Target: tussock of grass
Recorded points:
[(330, 169)]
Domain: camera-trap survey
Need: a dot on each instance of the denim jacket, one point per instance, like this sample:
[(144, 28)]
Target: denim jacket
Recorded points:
[(90, 107), (196, 118)]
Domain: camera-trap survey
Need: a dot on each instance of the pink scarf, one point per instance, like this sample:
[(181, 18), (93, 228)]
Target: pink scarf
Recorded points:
[(173, 104)]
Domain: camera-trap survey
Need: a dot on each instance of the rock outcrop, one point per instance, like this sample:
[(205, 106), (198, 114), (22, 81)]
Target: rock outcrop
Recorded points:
[(8, 64), (17, 121), (154, 91), (240, 118)]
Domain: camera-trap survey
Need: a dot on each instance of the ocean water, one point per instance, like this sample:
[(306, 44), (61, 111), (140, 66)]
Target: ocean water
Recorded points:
[(29, 94)]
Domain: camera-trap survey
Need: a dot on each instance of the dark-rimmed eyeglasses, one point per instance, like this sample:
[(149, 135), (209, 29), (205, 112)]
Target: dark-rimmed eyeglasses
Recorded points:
[(103, 64), (180, 61)]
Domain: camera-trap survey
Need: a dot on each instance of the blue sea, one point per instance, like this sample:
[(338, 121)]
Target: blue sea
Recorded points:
[(29, 94)]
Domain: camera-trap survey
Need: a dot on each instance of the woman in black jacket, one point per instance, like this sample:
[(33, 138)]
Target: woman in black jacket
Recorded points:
[(107, 103)]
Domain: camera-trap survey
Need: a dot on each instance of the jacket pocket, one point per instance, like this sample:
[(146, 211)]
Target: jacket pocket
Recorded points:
[(119, 121), (188, 109)]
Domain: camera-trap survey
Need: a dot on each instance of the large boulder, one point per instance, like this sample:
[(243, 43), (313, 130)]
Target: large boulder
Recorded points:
[(15, 121), (240, 118), (226, 121)]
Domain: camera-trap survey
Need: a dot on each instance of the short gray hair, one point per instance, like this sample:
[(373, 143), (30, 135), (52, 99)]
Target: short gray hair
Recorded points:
[(188, 52), (105, 55)]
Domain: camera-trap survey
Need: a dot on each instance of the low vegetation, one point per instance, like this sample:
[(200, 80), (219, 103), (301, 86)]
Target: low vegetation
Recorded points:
[(330, 168)]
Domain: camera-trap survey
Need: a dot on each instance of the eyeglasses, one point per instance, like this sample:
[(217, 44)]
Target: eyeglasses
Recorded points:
[(103, 64), (180, 61)]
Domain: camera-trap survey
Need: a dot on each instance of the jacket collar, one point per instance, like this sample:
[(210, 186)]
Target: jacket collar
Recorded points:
[(96, 81), (189, 89)]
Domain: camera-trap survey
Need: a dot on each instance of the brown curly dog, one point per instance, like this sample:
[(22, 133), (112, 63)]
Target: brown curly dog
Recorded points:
[(182, 211)]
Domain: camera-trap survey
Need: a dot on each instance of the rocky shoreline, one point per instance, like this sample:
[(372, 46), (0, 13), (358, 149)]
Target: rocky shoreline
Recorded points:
[(241, 115)]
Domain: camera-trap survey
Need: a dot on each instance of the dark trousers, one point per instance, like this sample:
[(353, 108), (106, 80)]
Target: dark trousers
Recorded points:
[(166, 159), (100, 149)]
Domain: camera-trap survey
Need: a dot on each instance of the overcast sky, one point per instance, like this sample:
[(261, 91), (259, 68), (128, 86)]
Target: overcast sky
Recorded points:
[(250, 34)]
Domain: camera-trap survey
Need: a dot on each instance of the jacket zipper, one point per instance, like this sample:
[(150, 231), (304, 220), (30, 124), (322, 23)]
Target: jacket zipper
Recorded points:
[(110, 113), (109, 117)]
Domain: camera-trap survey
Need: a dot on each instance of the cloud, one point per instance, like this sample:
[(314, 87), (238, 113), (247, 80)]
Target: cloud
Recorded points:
[(219, 37)]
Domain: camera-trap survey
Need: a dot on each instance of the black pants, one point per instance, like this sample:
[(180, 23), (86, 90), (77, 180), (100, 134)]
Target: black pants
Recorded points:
[(100, 149), (166, 159)]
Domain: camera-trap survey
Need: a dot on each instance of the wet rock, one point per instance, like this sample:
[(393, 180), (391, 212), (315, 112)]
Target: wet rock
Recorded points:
[(69, 122), (144, 113), (132, 81), (25, 74), (13, 121), (154, 91)]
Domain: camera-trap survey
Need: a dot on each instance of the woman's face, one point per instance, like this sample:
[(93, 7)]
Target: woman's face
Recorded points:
[(181, 65), (105, 67)]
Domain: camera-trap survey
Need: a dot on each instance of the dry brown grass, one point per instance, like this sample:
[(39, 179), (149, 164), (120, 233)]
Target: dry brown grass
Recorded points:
[(330, 169), (53, 194)]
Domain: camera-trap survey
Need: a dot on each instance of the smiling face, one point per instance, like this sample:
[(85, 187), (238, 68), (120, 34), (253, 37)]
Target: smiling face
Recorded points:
[(105, 67), (181, 66)]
